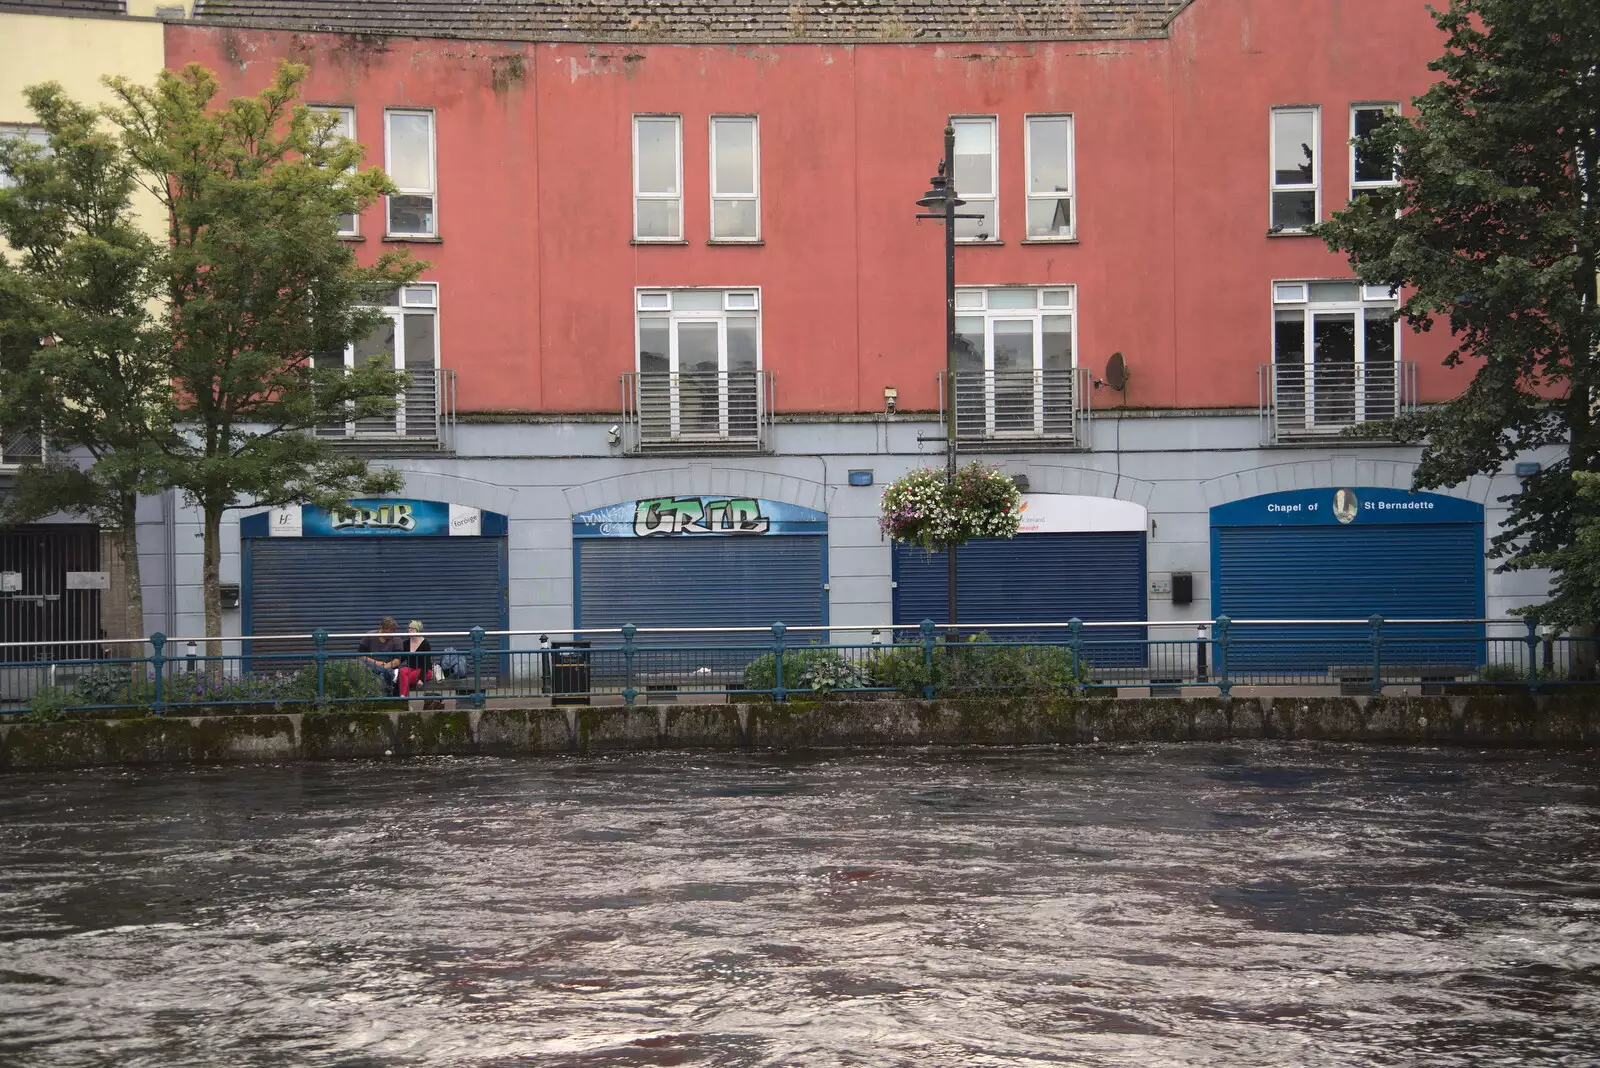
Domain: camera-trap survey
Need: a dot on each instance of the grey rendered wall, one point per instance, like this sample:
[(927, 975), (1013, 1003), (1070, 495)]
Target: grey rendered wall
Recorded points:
[(1177, 465)]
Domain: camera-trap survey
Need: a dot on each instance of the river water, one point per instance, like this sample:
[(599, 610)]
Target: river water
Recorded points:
[(1201, 905)]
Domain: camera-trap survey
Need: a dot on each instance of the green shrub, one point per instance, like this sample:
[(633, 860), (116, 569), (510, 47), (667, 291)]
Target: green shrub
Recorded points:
[(202, 689), (900, 667), (1502, 673), (805, 668), (49, 704), (111, 684), (342, 680), (975, 666)]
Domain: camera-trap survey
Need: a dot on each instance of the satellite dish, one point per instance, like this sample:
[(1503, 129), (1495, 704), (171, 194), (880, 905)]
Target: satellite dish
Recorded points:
[(1117, 372)]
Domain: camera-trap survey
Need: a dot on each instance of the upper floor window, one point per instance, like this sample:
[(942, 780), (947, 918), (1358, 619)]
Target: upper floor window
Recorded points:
[(1295, 172), (977, 177), (409, 159), (735, 178), (1014, 362), (1369, 170), (344, 125), (1335, 354), (34, 135), (406, 339), (1049, 152), (699, 363), (657, 178)]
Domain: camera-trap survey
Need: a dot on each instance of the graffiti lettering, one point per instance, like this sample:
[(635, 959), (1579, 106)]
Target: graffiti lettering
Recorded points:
[(668, 516), (385, 516)]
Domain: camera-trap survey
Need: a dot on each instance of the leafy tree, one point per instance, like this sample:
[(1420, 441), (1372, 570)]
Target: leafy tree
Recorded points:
[(258, 285), (82, 352), (1494, 231), (1576, 589)]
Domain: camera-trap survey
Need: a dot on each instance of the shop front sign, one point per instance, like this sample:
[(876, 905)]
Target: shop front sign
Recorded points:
[(397, 517), (697, 516), (1345, 506)]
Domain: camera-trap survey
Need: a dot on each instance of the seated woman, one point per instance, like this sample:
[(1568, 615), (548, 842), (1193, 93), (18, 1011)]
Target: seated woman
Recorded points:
[(413, 658)]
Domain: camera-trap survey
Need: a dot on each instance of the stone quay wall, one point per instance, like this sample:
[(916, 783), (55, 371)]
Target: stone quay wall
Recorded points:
[(1559, 720)]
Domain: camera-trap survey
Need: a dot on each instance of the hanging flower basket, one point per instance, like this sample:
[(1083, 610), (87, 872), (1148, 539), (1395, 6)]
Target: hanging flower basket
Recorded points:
[(924, 509)]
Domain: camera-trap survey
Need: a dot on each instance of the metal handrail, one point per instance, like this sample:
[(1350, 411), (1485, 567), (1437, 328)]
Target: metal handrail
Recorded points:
[(697, 410), (926, 660), (1309, 400), (425, 411), (1023, 405), (1518, 621)]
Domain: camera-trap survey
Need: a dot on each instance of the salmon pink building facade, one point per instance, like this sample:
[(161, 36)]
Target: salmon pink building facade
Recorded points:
[(680, 323)]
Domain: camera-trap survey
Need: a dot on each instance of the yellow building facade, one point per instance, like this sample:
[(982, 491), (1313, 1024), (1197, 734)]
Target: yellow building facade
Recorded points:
[(78, 52), (77, 49)]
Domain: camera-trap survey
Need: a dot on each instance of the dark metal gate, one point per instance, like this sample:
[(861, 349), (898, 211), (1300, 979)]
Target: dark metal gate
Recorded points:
[(35, 604)]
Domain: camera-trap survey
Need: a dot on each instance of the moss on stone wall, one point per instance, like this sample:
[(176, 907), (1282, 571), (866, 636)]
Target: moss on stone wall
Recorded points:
[(1561, 719)]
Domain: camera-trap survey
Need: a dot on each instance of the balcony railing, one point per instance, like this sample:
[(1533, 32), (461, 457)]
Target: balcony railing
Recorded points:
[(1027, 407), (1301, 402), (712, 411), (425, 417), (22, 447)]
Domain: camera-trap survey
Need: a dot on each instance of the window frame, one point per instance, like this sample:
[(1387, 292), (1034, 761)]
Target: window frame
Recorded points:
[(1314, 186), (755, 169), (1071, 195), (1358, 187), (676, 195), (396, 314), (24, 130), (728, 310), (1038, 313), (1367, 298), (348, 111), (993, 122), (432, 193)]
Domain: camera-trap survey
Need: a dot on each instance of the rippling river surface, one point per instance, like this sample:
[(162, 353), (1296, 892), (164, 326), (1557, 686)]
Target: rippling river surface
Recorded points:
[(1232, 905)]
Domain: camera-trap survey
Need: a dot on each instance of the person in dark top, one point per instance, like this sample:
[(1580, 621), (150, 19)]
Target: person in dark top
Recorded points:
[(380, 652), (413, 657)]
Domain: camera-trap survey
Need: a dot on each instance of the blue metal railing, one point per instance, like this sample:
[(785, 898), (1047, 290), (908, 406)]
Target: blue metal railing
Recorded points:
[(629, 664)]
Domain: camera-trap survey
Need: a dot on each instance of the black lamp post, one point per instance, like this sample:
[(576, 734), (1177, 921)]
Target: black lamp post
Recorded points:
[(941, 201)]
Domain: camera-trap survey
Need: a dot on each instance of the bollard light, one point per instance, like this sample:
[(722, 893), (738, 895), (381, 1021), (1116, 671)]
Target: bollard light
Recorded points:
[(544, 641), (877, 636), (189, 652)]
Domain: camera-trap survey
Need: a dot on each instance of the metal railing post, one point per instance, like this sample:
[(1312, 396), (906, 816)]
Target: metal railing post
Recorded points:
[(1375, 636), (927, 659), (1533, 654), (628, 691), (477, 667), (158, 661), (1220, 637), (320, 637), (778, 691), (1202, 671)]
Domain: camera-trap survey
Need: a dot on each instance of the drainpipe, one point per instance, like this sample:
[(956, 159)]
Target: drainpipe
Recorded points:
[(169, 521)]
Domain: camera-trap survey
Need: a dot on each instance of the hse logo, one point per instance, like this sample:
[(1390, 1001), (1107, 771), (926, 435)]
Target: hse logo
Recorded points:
[(669, 516)]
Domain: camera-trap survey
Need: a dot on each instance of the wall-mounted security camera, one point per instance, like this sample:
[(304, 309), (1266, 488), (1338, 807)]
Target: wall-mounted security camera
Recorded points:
[(890, 396), (613, 434)]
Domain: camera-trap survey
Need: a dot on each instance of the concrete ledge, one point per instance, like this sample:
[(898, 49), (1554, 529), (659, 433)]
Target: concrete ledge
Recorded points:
[(1558, 720)]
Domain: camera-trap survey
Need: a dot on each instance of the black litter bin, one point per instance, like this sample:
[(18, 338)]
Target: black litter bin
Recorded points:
[(569, 673)]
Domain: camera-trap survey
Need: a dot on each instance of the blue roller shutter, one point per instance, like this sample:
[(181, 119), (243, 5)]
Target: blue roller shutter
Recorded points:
[(703, 582), (1035, 578), (1418, 571), (295, 585)]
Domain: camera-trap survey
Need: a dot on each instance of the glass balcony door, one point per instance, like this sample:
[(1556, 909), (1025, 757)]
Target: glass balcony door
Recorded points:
[(1334, 357), (698, 363)]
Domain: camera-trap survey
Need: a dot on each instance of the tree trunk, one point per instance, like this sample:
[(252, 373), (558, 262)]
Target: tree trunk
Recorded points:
[(212, 581), (126, 546)]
